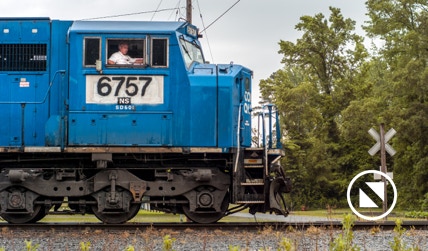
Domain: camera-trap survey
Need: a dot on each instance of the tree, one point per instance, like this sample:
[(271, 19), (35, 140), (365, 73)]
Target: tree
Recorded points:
[(402, 26), (317, 82)]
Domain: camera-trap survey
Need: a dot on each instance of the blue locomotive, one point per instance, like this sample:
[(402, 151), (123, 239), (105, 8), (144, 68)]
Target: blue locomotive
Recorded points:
[(104, 136)]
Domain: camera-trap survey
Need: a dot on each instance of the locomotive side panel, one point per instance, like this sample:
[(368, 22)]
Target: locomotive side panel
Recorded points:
[(234, 106), (59, 64), (24, 74), (135, 129), (203, 105)]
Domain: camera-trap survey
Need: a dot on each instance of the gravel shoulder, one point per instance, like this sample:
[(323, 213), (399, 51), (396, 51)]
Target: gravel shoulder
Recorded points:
[(188, 239)]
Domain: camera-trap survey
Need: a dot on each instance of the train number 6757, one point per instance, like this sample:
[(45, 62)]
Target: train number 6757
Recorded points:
[(105, 85)]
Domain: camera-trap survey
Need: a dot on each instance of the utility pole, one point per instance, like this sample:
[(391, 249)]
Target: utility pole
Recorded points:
[(189, 11)]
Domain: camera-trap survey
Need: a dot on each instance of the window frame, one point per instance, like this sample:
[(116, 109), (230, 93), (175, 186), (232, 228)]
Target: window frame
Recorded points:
[(184, 51), (109, 51), (166, 52), (84, 52)]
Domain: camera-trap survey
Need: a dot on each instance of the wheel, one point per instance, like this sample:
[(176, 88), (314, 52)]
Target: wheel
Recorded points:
[(20, 199), (21, 218), (116, 215), (40, 215), (206, 216)]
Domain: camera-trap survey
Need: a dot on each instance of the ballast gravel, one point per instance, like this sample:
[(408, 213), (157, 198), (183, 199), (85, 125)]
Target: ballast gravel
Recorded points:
[(189, 239)]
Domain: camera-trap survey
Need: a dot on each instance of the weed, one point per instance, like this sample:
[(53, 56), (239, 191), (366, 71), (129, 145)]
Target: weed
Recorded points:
[(374, 230), (343, 242), (30, 247), (290, 229), (312, 230), (234, 248), (398, 244), (286, 245), (330, 211), (130, 248), (85, 246), (168, 242)]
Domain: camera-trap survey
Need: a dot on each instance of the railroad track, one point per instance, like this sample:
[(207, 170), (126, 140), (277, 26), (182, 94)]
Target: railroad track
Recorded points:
[(252, 226)]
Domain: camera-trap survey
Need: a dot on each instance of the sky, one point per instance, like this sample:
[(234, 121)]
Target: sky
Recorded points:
[(248, 34)]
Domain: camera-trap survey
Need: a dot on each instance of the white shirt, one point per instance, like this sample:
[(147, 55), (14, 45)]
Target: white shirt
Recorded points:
[(119, 58)]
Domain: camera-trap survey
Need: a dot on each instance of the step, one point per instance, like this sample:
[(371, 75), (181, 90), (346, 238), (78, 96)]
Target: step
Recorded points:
[(252, 184), (253, 166), (250, 202)]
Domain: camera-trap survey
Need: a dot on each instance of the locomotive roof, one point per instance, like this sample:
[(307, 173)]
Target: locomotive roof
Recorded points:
[(125, 26)]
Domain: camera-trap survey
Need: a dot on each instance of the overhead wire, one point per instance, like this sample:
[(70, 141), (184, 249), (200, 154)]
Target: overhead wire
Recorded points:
[(157, 8), (206, 34), (177, 11), (129, 14), (221, 15)]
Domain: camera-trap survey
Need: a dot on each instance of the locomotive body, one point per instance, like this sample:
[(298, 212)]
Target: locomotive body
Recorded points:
[(172, 131)]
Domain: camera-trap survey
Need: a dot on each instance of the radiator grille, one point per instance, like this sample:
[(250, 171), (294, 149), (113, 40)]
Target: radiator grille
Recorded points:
[(23, 57)]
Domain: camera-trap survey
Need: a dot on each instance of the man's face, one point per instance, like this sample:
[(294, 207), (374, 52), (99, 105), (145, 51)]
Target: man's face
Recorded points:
[(123, 49)]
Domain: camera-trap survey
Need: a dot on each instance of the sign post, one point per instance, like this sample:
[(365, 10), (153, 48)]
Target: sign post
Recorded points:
[(383, 146)]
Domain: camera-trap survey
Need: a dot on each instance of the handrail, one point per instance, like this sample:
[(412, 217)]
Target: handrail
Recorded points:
[(270, 112), (238, 137)]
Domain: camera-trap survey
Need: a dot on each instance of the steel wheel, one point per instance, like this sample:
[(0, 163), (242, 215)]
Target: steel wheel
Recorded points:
[(116, 216), (207, 217), (21, 218)]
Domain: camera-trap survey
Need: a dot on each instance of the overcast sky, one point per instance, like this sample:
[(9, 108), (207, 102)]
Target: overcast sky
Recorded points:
[(248, 34)]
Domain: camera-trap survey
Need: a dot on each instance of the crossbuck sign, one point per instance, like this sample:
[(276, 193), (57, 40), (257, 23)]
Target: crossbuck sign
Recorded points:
[(376, 147)]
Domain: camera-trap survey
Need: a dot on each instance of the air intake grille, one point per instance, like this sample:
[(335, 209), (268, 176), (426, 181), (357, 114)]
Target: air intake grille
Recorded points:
[(23, 57)]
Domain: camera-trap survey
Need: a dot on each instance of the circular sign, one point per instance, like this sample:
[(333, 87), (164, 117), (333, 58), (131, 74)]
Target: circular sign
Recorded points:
[(348, 195)]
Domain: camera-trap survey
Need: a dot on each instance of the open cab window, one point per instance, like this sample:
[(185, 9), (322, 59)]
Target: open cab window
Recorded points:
[(126, 52)]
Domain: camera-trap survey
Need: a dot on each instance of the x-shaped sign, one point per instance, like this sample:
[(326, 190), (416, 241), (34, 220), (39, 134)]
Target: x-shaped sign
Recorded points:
[(376, 147)]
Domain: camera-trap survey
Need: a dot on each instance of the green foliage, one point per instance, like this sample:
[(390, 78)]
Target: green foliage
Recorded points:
[(234, 248), (402, 26), (168, 242), (344, 241), (85, 246), (130, 248), (416, 214), (398, 244), (286, 245), (318, 81), (30, 247), (330, 93)]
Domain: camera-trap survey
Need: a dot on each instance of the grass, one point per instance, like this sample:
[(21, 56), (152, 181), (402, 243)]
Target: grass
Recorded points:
[(154, 216), (142, 216)]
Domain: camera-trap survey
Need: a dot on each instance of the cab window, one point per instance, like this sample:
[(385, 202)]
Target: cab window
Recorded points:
[(125, 52), (191, 52), (159, 52), (92, 51)]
